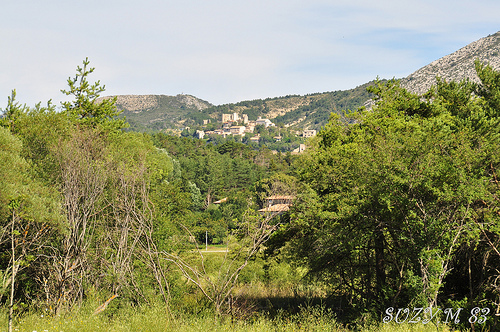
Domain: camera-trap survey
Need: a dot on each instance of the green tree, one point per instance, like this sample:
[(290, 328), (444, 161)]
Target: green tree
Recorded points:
[(39, 129), (30, 216), (397, 190), (86, 108), (12, 113)]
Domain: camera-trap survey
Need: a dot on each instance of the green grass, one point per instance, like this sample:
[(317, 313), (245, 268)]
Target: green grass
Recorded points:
[(283, 303), (153, 319), (213, 247)]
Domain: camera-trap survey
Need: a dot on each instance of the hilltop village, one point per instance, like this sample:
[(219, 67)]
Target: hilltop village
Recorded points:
[(253, 132)]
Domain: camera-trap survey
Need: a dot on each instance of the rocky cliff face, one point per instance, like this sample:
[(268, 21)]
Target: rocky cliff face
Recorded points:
[(193, 102), (456, 66), (136, 104)]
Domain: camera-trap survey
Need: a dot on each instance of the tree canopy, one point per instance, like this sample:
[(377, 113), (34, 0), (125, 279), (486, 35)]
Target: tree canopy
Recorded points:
[(86, 108), (394, 206), (400, 193)]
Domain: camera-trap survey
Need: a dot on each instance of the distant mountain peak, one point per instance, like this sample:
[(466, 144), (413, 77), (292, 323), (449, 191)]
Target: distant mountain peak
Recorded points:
[(456, 66)]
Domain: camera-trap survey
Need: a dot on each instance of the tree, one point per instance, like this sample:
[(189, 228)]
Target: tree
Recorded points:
[(253, 231), (12, 113), (76, 210), (86, 108), (82, 182), (276, 184), (30, 215), (397, 191), (39, 128)]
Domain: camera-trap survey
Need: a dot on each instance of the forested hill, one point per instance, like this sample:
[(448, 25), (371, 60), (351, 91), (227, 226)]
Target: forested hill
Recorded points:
[(310, 111), (155, 113)]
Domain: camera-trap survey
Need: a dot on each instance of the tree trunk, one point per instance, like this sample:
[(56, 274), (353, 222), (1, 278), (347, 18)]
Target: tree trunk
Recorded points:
[(14, 271), (379, 262)]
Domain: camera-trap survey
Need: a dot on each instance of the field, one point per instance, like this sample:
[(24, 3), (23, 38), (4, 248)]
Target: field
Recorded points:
[(157, 319)]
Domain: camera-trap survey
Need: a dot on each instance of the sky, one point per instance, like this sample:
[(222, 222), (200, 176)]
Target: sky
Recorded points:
[(225, 51)]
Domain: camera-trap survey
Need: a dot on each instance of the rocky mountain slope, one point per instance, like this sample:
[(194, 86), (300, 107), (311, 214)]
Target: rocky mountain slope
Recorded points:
[(140, 103), (456, 66)]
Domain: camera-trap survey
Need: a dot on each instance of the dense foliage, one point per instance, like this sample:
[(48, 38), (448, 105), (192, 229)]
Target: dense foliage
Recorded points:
[(402, 209), (396, 206)]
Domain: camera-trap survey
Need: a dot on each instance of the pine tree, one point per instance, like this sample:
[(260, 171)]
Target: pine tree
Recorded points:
[(87, 108)]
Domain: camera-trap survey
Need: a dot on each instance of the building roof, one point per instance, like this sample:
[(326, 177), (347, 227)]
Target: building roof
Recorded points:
[(276, 208), (280, 197), (221, 201)]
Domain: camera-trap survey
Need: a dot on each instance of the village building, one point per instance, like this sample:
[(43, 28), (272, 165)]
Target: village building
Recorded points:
[(226, 131), (237, 130), (220, 201), (300, 149), (223, 132), (264, 122), (234, 117), (200, 134), (279, 199), (249, 128), (308, 133), (254, 139), (276, 205)]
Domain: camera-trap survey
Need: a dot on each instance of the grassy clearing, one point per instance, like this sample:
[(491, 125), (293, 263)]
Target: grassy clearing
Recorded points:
[(158, 319), (282, 304), (213, 248)]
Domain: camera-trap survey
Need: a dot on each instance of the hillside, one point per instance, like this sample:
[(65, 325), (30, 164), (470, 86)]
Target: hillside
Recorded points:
[(456, 66), (310, 111), (157, 112), (154, 113)]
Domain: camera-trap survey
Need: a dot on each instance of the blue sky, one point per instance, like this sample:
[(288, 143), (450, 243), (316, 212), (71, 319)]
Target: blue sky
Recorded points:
[(227, 51)]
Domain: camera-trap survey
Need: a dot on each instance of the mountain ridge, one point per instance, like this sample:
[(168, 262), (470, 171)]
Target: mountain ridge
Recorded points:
[(457, 65), (159, 112)]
